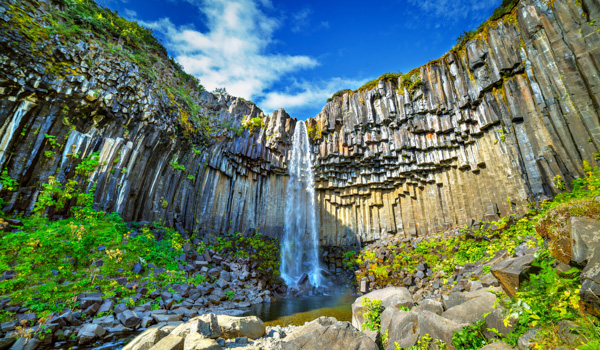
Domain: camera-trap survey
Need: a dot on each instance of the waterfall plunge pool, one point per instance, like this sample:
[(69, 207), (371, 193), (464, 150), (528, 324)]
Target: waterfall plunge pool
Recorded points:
[(297, 311)]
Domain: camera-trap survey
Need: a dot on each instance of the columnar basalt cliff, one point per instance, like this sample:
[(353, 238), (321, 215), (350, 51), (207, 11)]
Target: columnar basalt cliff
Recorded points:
[(484, 133)]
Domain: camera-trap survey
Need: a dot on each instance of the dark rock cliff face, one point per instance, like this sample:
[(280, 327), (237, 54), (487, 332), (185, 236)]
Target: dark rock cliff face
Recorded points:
[(490, 127), (485, 133)]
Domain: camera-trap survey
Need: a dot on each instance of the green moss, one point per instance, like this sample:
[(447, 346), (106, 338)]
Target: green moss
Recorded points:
[(391, 77), (339, 94), (505, 7)]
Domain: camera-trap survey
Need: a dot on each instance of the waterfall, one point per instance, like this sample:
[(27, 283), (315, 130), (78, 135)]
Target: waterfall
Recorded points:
[(300, 246)]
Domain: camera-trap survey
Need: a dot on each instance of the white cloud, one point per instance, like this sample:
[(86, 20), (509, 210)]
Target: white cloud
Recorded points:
[(455, 9), (232, 53), (304, 93)]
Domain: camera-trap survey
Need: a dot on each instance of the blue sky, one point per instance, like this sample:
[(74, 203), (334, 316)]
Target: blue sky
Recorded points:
[(296, 54)]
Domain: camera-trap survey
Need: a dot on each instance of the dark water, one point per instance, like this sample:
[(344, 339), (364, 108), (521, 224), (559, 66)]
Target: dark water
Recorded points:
[(293, 311)]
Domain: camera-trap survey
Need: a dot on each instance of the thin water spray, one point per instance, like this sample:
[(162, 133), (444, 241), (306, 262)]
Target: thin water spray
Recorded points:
[(300, 246)]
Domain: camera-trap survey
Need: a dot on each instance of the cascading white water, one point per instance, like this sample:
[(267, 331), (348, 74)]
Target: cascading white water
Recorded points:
[(300, 246)]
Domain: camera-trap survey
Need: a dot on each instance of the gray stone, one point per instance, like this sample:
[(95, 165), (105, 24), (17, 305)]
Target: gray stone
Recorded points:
[(327, 333), (170, 342), (232, 327), (196, 341), (128, 318), (390, 297), (146, 340), (438, 327), (402, 327), (471, 310), (90, 332)]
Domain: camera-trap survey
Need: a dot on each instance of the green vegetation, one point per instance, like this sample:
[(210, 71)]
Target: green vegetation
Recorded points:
[(393, 77), (230, 294), (505, 7), (372, 314), (84, 20), (262, 250), (339, 94), (314, 132), (253, 123), (8, 184), (177, 166), (470, 337), (411, 81)]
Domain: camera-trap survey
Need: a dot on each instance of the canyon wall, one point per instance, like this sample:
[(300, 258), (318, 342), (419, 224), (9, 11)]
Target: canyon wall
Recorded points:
[(484, 134)]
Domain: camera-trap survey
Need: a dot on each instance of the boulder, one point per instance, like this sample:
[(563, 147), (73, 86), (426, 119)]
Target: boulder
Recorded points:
[(402, 327), (232, 327), (526, 341), (471, 310), (327, 333), (90, 332), (495, 320), (438, 327), (146, 340), (590, 284), (195, 341), (569, 333), (390, 297), (5, 343), (170, 342), (431, 306), (499, 345), (205, 325), (584, 239), (512, 272), (128, 318)]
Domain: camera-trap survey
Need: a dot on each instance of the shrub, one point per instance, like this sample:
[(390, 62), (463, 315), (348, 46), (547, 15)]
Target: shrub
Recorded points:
[(372, 314)]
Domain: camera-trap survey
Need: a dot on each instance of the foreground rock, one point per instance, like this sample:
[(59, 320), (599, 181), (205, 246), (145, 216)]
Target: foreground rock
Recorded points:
[(327, 333), (233, 327), (199, 333), (390, 297)]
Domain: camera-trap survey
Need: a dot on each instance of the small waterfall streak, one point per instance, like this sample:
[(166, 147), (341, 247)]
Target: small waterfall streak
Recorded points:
[(300, 246)]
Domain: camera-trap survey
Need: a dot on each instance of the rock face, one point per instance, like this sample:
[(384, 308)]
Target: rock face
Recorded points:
[(487, 129), (327, 333)]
